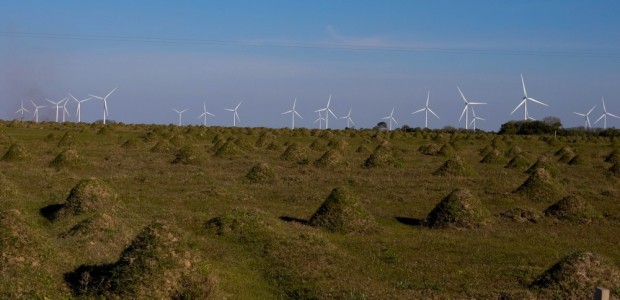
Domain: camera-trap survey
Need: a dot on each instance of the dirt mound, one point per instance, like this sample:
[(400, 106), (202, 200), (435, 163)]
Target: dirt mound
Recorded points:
[(574, 209), (519, 161), (188, 155), (455, 166), (540, 186), (429, 149), (341, 212), (16, 152), (493, 157), (229, 148), (382, 156), (613, 157), (460, 209), (67, 158), (331, 158), (294, 152), (522, 215), (88, 195), (260, 173), (576, 276), (545, 163), (153, 266)]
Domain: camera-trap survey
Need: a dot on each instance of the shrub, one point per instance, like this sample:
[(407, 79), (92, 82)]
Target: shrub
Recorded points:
[(460, 209)]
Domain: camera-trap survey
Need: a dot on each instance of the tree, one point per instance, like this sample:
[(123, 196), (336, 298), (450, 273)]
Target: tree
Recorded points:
[(381, 126)]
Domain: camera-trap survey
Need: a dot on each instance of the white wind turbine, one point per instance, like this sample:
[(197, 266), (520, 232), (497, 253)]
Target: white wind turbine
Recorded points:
[(466, 109), (523, 103), (293, 112), (426, 109), (604, 116), (587, 117), (57, 105), (327, 111), (235, 115), (390, 118), (105, 103), (473, 121), (320, 119), (65, 112), (22, 110), (348, 117), (36, 111), (204, 114), (78, 112), (180, 114)]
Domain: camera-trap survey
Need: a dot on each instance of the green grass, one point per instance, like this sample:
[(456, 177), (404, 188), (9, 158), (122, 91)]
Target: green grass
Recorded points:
[(279, 255)]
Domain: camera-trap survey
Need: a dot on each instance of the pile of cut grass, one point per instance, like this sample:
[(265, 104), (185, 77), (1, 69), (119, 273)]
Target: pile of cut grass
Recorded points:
[(573, 209), (493, 157), (260, 173), (67, 158), (519, 161), (17, 152), (189, 155), (540, 186), (88, 195), (341, 212), (295, 153), (331, 158), (229, 148), (381, 157), (460, 209), (455, 166)]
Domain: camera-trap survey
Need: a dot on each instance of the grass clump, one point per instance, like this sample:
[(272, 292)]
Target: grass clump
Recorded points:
[(294, 152), (455, 166), (493, 157), (97, 225), (162, 146), (460, 209), (540, 186), (342, 213), (318, 145), (382, 156), (429, 149), (519, 161), (88, 195), (66, 158), (132, 143), (545, 163), (576, 276), (188, 155), (229, 148), (16, 152), (67, 140), (331, 158), (447, 150), (260, 173), (573, 209)]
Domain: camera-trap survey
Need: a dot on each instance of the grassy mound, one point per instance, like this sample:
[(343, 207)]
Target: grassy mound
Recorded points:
[(460, 209), (447, 150), (132, 143), (576, 276), (540, 186), (493, 157), (382, 156), (613, 157), (564, 151), (519, 161), (260, 173), (341, 212), (153, 266), (522, 215), (429, 149), (362, 149), (16, 240), (578, 160), (573, 209), (162, 146), (97, 225), (67, 140), (8, 189), (339, 144), (318, 145), (188, 155), (16, 152), (264, 139), (331, 158), (88, 195), (294, 152), (229, 148), (545, 163), (243, 224), (614, 170), (513, 151), (455, 166), (66, 158)]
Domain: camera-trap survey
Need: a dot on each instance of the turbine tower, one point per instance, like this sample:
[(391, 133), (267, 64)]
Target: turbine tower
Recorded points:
[(57, 105), (293, 112), (180, 114), (348, 117), (204, 114), (320, 119), (426, 109), (523, 103), (22, 110), (390, 119), (105, 103), (235, 115), (327, 111), (64, 110), (78, 112), (587, 117), (473, 121), (604, 115), (466, 109), (36, 111)]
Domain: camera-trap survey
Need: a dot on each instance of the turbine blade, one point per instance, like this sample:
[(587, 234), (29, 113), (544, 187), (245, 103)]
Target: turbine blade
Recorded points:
[(591, 109), (476, 103), (432, 112), (602, 116), (238, 105), (520, 104), (532, 99), (604, 108), (110, 93), (583, 115), (610, 114), (428, 96), (523, 83), (462, 96), (229, 109), (419, 110), (97, 97), (287, 112), (463, 113), (298, 114)]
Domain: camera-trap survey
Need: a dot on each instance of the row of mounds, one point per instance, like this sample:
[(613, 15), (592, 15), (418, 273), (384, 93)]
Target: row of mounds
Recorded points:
[(155, 265), (432, 149), (568, 209)]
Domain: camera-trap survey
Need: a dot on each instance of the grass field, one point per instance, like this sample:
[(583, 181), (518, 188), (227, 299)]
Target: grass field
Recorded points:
[(171, 212)]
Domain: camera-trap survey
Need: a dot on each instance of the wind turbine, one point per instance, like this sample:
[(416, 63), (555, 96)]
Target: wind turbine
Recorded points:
[(473, 121), (36, 111), (523, 103), (22, 110), (327, 111), (64, 110), (426, 109), (235, 115), (205, 113), (180, 113), (587, 117), (390, 118), (604, 116), (105, 102), (348, 117), (466, 109), (293, 112), (320, 119), (57, 105), (78, 112)]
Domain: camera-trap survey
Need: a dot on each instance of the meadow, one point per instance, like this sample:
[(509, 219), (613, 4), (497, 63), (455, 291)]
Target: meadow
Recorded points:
[(155, 211)]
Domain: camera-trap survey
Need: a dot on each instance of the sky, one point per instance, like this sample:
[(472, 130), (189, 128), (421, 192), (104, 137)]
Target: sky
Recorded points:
[(370, 56)]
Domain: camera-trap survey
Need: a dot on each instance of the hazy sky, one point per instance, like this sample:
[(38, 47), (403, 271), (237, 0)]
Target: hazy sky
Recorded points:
[(370, 55)]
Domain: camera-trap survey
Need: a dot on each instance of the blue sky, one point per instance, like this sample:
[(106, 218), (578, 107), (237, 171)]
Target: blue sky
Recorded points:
[(370, 55)]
